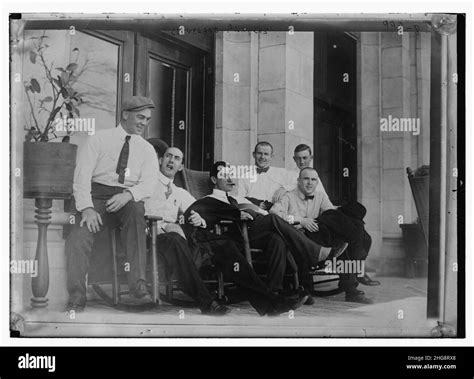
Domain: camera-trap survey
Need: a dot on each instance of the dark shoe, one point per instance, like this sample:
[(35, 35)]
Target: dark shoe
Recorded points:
[(286, 305), (367, 281), (75, 307), (337, 251), (216, 309), (310, 300), (140, 289), (358, 297)]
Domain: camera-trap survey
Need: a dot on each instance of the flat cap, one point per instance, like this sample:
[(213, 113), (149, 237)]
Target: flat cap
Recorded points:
[(137, 103)]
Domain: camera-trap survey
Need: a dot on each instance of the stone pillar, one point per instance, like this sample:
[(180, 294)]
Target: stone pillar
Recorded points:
[(233, 96), (397, 199), (264, 91), (369, 162), (285, 92)]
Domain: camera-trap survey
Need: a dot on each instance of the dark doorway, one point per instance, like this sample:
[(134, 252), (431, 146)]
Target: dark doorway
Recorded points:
[(177, 77), (335, 115)]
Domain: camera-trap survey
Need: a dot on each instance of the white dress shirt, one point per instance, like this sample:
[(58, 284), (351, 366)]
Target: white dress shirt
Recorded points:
[(98, 159), (293, 207), (267, 183), (170, 208)]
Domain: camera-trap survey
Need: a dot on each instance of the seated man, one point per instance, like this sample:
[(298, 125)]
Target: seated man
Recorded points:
[(170, 202), (303, 158), (263, 228), (323, 224), (115, 172), (271, 182)]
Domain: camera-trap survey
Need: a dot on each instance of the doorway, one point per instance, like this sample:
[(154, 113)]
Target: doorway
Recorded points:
[(335, 114), (178, 79)]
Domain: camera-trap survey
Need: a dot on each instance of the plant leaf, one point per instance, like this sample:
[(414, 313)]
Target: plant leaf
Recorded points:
[(60, 69), (64, 93), (75, 49), (71, 67), (32, 57), (35, 87), (69, 107), (64, 78), (47, 99)]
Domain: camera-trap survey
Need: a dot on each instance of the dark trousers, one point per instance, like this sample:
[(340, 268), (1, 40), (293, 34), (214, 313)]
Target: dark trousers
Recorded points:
[(336, 227), (275, 251), (131, 219), (304, 251), (174, 252), (227, 257)]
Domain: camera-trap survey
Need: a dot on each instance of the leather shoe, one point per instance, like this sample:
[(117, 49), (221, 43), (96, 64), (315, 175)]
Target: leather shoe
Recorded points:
[(140, 289), (216, 309), (337, 251), (75, 307), (358, 297), (310, 300), (367, 281), (286, 305)]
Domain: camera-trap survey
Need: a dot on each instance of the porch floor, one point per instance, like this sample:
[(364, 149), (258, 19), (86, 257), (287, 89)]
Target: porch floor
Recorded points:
[(399, 311)]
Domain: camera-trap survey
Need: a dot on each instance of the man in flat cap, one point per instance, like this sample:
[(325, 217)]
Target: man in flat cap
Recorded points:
[(115, 171)]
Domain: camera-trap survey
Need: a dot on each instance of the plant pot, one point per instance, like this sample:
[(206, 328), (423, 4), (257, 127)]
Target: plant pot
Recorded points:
[(48, 170), (416, 251)]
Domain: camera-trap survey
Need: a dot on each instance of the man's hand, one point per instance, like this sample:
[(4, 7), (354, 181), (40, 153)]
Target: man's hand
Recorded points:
[(309, 224), (278, 195), (195, 219), (244, 216), (92, 219), (118, 201)]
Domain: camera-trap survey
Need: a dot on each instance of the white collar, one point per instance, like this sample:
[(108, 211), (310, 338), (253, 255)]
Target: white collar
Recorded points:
[(122, 132), (219, 193), (164, 179)]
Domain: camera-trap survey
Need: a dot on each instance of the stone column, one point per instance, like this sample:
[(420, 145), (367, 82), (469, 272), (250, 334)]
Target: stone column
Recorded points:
[(285, 92), (369, 162), (397, 203)]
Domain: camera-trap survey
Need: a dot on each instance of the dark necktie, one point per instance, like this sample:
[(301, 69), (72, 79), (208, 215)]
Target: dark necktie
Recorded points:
[(262, 170), (309, 197), (232, 200), (123, 160)]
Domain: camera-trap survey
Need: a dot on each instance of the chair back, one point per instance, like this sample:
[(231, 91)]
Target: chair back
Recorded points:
[(197, 183), (420, 186)]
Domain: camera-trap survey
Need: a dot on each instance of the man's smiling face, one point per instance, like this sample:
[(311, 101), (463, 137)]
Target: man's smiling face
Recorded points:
[(136, 122), (263, 156)]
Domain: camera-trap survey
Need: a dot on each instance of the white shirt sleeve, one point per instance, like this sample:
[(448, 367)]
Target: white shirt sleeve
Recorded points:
[(85, 165), (148, 176)]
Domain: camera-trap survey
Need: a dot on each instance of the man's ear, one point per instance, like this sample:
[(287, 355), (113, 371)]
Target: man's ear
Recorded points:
[(160, 160), (125, 115), (253, 155), (180, 168), (213, 180)]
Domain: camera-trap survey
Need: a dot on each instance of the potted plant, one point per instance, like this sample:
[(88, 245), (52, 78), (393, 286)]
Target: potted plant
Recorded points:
[(49, 167)]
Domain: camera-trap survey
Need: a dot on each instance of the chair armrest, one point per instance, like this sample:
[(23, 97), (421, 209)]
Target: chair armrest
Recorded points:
[(153, 218), (226, 222)]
